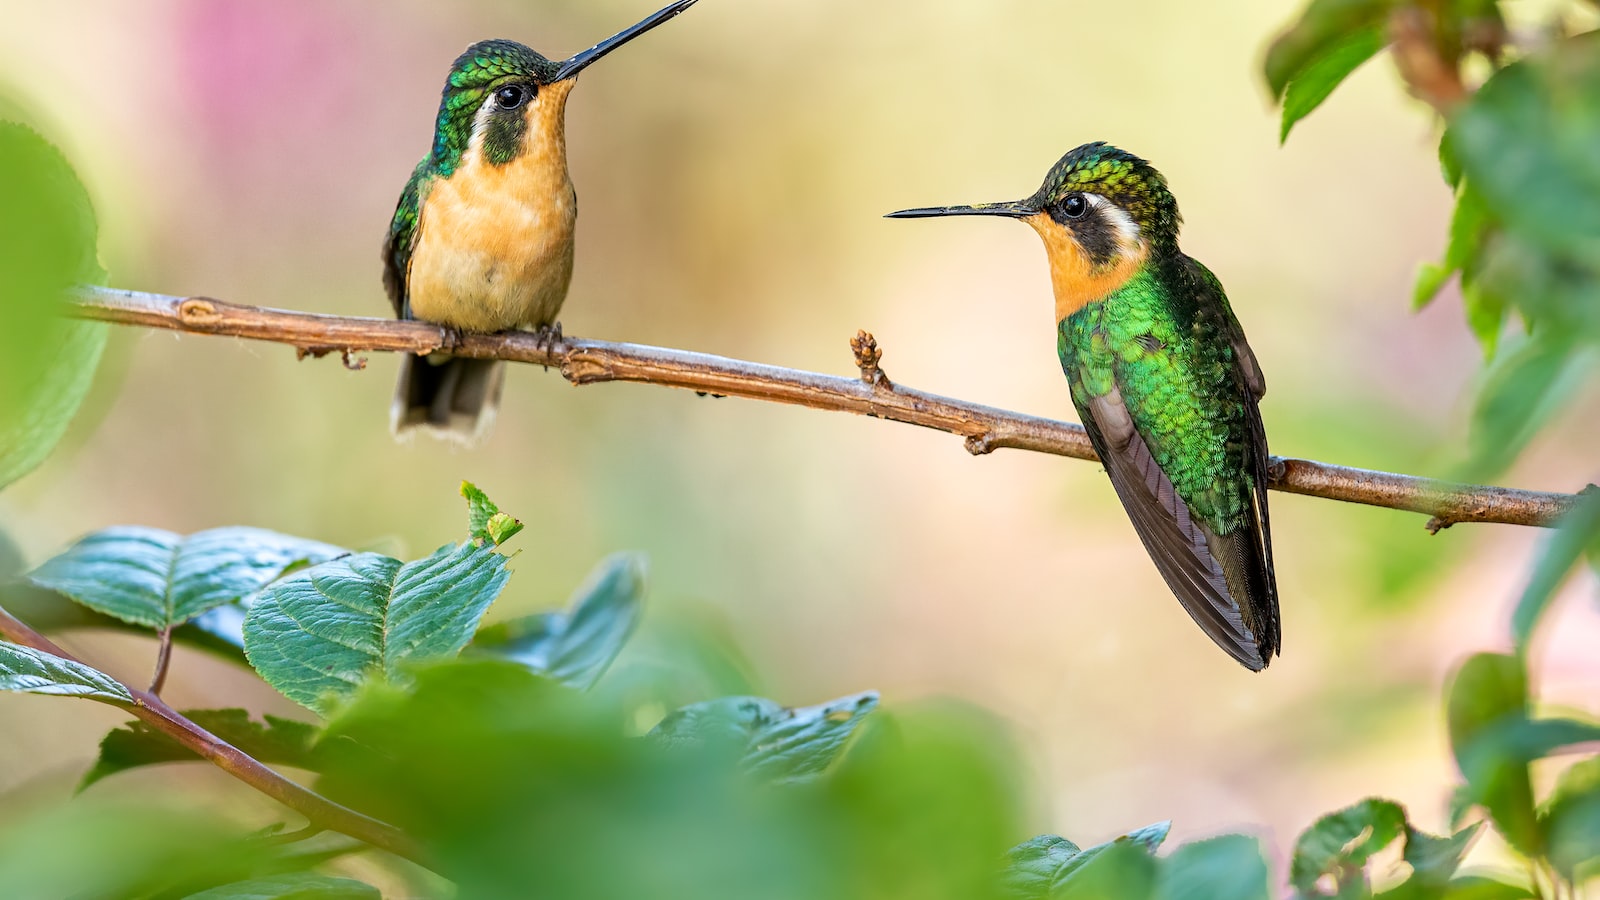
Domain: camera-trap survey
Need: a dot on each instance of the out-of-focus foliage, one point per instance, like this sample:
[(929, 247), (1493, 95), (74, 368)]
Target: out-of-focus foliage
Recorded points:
[(1519, 154), (47, 244), (514, 776), (576, 647)]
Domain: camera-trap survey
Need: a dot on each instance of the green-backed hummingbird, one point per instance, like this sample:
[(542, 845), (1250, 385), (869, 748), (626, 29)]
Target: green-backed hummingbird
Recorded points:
[(1165, 383), (482, 238)]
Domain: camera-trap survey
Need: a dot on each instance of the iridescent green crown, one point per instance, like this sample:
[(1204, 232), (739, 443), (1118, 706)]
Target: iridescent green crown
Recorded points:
[(471, 75), (1124, 179)]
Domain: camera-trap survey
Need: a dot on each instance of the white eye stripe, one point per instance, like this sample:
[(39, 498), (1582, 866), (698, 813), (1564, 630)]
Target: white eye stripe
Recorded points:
[(1127, 228)]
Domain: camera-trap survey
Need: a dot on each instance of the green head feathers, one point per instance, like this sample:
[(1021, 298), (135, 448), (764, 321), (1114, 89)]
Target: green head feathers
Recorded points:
[(493, 83), (513, 74), (1128, 182)]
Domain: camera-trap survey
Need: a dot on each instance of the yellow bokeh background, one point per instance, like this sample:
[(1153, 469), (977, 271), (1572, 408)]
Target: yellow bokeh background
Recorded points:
[(732, 169)]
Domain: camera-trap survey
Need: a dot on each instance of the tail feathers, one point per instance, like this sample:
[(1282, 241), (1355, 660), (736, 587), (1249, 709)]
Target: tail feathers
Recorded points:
[(449, 398)]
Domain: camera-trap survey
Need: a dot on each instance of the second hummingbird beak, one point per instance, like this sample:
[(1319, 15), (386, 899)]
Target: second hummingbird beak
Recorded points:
[(1021, 209), (581, 61)]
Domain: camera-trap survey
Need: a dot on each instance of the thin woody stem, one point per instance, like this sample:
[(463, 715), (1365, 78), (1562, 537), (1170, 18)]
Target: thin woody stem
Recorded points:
[(317, 809), (985, 428), (163, 660)]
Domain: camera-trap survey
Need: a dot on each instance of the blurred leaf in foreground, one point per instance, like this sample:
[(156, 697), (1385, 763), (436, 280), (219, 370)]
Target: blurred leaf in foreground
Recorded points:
[(1050, 866), (766, 739), (1339, 844), (47, 244), (1571, 821), (1578, 535), (294, 886)]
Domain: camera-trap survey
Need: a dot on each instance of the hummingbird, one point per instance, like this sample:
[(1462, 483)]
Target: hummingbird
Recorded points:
[(482, 237), (1165, 384)]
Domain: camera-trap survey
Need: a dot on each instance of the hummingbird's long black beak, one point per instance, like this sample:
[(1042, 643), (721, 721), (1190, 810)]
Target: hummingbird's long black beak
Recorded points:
[(581, 61), (1021, 209)]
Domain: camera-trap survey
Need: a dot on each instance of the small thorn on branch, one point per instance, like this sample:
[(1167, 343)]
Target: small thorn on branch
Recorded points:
[(868, 356), (1438, 524)]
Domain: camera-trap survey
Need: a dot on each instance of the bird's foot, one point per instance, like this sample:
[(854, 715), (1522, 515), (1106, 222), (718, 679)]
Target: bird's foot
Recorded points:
[(546, 337)]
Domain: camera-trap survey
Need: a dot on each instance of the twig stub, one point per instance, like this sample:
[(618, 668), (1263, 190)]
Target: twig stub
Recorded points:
[(868, 356)]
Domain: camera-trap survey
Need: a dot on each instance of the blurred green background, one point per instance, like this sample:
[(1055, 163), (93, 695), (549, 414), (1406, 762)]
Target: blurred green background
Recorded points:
[(732, 170)]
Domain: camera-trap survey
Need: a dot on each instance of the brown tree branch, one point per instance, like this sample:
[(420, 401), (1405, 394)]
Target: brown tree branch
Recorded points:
[(985, 428), (318, 810)]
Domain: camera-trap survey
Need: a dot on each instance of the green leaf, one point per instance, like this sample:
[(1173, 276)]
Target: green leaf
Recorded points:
[(1449, 162), (160, 580), (1047, 865), (1315, 82), (275, 740), (1571, 821), (1431, 279), (1324, 26), (485, 521), (1033, 867), (1434, 860), (1470, 887), (1121, 871), (1579, 531), (1490, 693), (51, 613), (1521, 393), (1229, 866), (320, 633), (1486, 316), (31, 671), (1526, 139), (769, 741), (292, 886), (576, 648), (1340, 843), (47, 363)]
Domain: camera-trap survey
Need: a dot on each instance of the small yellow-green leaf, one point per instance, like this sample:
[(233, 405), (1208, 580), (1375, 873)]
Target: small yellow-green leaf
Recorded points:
[(501, 528)]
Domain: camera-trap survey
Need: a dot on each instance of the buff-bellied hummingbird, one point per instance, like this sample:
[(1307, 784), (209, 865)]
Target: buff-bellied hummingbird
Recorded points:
[(482, 238), (1165, 383)]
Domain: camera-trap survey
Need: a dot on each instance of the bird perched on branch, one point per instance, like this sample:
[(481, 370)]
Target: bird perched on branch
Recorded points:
[(482, 238), (1165, 384)]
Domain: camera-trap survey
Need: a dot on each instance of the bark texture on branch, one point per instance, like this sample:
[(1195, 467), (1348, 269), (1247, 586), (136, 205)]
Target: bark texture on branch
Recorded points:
[(985, 428)]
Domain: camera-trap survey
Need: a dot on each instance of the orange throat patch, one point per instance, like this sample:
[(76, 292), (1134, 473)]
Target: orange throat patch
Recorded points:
[(494, 243), (1076, 280)]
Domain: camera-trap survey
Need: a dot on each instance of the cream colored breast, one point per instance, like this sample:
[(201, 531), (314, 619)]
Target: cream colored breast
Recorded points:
[(494, 243)]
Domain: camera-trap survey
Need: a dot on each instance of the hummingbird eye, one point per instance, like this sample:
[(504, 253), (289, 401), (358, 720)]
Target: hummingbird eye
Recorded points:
[(511, 96), (1074, 206)]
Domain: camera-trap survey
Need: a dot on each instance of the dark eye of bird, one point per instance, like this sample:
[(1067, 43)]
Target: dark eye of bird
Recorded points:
[(511, 96), (1074, 206)]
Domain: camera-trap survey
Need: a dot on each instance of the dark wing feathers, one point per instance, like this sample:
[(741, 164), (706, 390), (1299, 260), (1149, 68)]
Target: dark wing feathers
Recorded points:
[(1194, 561), (401, 239)]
